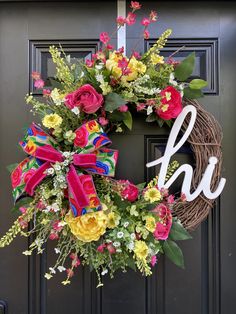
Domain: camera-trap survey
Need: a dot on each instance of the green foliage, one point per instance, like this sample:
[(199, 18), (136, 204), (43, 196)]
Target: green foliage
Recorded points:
[(197, 84), (185, 68), (11, 167), (128, 121), (173, 252), (23, 202), (113, 101), (192, 93), (178, 232)]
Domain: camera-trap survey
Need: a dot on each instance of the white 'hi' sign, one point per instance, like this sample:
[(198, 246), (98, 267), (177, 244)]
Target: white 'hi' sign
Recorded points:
[(171, 149)]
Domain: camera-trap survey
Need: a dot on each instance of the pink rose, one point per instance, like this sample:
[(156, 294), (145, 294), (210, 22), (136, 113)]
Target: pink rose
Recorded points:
[(85, 97), (171, 103), (130, 191), (164, 225), (135, 5), (16, 177), (81, 137)]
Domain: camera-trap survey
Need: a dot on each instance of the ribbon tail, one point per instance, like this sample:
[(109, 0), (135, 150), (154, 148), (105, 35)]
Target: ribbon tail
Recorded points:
[(77, 196), (36, 178)]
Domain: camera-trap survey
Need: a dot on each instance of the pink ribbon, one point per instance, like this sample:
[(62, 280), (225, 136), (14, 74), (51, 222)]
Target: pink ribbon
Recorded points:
[(51, 155)]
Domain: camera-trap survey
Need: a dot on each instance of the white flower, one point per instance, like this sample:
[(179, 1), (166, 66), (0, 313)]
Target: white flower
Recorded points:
[(126, 223), (55, 207), (47, 209), (48, 276), (149, 110), (131, 245), (133, 236), (66, 162), (104, 272), (38, 242), (52, 270), (172, 79), (57, 251), (76, 111), (27, 252), (62, 223), (120, 234), (57, 167), (99, 78), (118, 250), (61, 268), (50, 171), (116, 244), (61, 178), (66, 154)]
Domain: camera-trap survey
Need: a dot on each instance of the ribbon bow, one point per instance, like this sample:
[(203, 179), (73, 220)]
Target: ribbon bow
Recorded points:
[(90, 155)]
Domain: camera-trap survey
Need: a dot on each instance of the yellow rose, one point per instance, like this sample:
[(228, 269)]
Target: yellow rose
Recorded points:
[(113, 220), (150, 223), (88, 227), (141, 250), (52, 120)]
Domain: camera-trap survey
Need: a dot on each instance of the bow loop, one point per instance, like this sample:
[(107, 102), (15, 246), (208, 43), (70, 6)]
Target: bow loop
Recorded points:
[(90, 156)]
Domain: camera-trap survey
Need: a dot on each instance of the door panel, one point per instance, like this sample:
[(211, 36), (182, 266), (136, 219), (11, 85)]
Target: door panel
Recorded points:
[(206, 285)]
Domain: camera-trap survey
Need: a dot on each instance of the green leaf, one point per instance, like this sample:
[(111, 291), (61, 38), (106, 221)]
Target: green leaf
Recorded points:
[(116, 116), (192, 93), (113, 101), (185, 68), (21, 203), (12, 167), (128, 120), (174, 253), (131, 263), (197, 84), (151, 118), (141, 186), (178, 232), (54, 83), (160, 122)]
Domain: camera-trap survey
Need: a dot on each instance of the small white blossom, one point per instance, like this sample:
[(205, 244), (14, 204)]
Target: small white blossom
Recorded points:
[(116, 244), (62, 223), (52, 270), (99, 78), (66, 154), (118, 250), (172, 79), (76, 111), (57, 251), (131, 245), (126, 223), (27, 252), (48, 276), (50, 171), (61, 268), (57, 167), (133, 236), (61, 178), (120, 234), (149, 110), (104, 272), (55, 207)]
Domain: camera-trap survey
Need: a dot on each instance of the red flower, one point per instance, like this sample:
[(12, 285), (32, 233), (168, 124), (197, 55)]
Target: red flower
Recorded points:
[(85, 97), (123, 108), (121, 20), (131, 18), (135, 5), (104, 37), (16, 177), (56, 226), (111, 248), (164, 225), (146, 34), (81, 138), (130, 191), (153, 16), (101, 248), (171, 104), (53, 236), (145, 21), (46, 92), (35, 75), (39, 83), (89, 63)]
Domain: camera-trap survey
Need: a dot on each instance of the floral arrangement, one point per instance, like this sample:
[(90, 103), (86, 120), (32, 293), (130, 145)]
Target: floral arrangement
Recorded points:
[(65, 190)]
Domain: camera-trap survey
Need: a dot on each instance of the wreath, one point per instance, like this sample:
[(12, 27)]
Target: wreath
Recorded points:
[(65, 190)]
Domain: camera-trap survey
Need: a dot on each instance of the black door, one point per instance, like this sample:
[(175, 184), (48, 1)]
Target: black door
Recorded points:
[(206, 286)]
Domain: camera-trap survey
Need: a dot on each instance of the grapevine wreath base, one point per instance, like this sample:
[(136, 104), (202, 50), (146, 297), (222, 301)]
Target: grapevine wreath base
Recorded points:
[(65, 189), (205, 140)]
